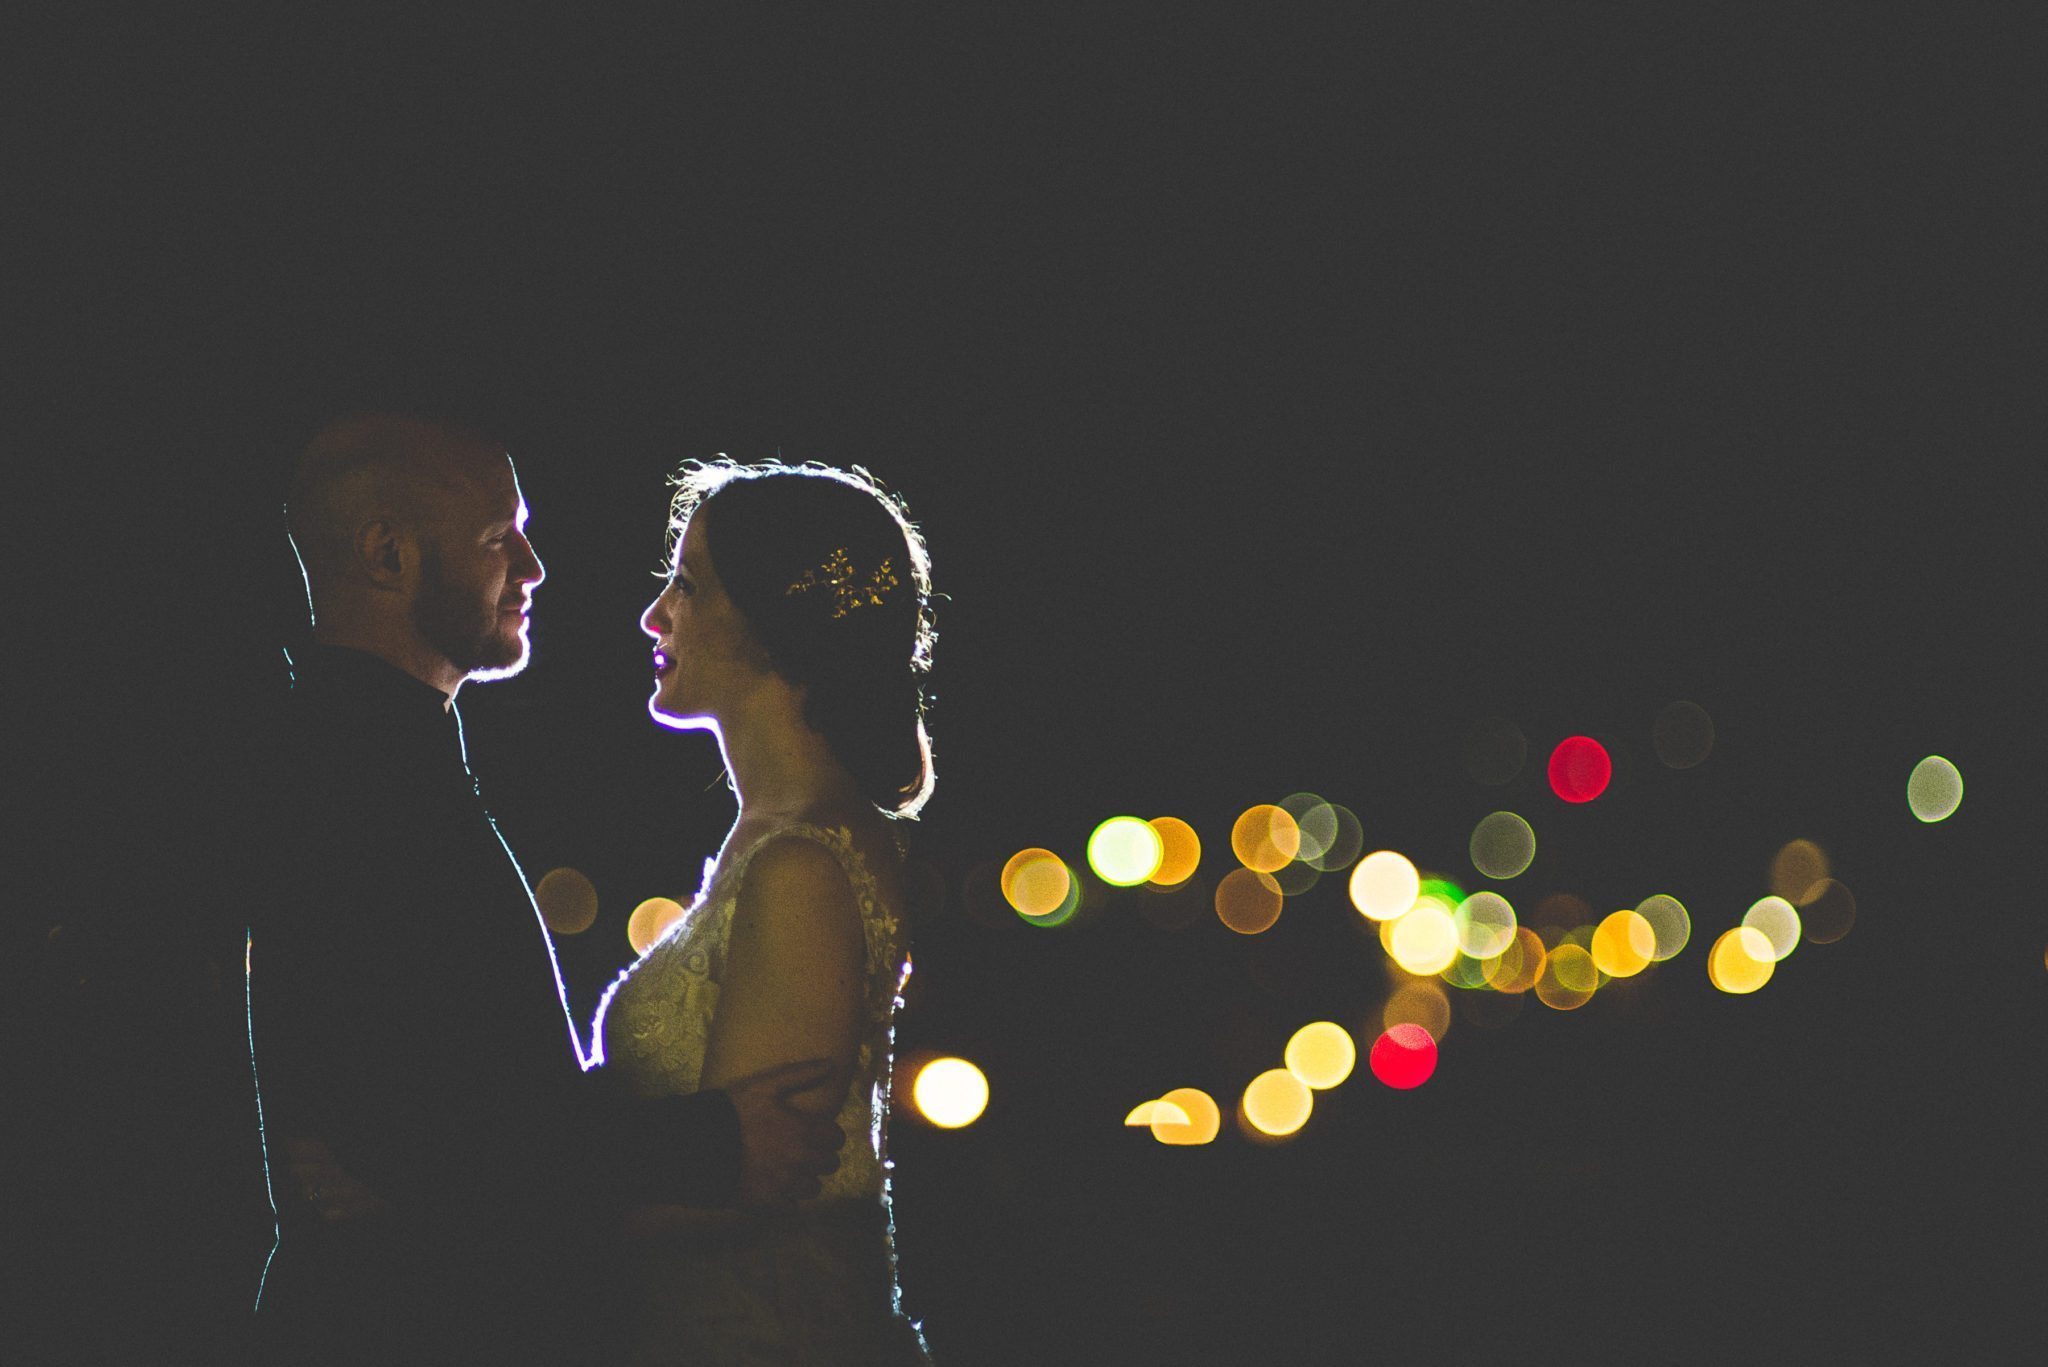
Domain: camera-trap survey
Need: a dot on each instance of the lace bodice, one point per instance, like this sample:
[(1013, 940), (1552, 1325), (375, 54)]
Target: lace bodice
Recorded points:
[(655, 1021)]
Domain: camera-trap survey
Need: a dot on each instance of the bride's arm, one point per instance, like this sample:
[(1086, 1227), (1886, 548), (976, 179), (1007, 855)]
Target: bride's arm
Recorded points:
[(792, 985)]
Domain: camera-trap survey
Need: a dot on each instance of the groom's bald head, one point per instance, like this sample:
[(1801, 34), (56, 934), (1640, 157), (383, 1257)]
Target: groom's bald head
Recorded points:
[(411, 533), (372, 467)]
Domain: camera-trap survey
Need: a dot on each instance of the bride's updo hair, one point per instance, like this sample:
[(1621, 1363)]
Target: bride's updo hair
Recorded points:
[(834, 580)]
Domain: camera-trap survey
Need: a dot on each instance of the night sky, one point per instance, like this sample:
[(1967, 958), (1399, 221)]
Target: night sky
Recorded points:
[(1280, 398)]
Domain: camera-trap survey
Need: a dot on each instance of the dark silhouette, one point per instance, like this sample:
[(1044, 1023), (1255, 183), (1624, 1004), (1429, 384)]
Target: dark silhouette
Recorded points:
[(448, 1176)]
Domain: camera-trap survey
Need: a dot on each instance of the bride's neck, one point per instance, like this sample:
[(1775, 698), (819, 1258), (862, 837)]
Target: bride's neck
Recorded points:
[(781, 768)]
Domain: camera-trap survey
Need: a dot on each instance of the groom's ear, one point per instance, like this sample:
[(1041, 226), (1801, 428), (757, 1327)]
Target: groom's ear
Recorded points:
[(385, 554)]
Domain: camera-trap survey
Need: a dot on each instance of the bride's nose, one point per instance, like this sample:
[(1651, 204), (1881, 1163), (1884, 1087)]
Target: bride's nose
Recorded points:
[(654, 621)]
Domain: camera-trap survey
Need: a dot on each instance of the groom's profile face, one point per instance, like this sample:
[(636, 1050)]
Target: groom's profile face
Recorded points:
[(478, 572)]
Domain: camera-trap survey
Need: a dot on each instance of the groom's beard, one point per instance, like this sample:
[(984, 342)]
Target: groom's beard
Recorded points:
[(469, 633)]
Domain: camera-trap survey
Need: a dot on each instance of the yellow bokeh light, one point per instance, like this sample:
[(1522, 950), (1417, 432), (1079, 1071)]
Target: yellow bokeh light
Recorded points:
[(1503, 845), (650, 921), (567, 901), (1384, 885), (1420, 1002), (1203, 1123), (1741, 960), (1485, 923), (1125, 851), (1934, 789), (1670, 923), (1517, 967), (1826, 911), (1568, 979), (1797, 867), (1624, 944), (1037, 883), (1180, 851), (1248, 901), (1322, 1054), (1276, 1102), (1425, 940), (1778, 919), (1265, 838), (1148, 1113), (950, 1092)]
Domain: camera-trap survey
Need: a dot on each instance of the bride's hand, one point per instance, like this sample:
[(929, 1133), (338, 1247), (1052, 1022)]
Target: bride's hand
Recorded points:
[(786, 1144)]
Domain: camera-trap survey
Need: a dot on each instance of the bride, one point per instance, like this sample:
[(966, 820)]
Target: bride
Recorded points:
[(796, 626)]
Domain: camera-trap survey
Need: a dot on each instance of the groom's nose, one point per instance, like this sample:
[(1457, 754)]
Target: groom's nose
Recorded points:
[(526, 566)]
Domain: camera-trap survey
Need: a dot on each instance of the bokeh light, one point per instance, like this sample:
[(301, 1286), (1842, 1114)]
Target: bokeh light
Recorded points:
[(1418, 1002), (1404, 1056), (950, 1092), (1315, 821), (1796, 867), (1580, 769), (1464, 971), (1493, 751), (1321, 1054), (1425, 940), (1148, 1113), (1180, 851), (567, 901), (1826, 911), (1934, 789), (1276, 1102), (1556, 913), (1040, 887), (1346, 841), (1248, 901), (1568, 979), (1384, 885), (1683, 735), (1624, 944), (1518, 966), (1125, 851), (1741, 960), (1669, 922), (1203, 1123), (1436, 888), (1503, 845), (1778, 919), (1297, 878), (1485, 924), (650, 921), (1265, 838)]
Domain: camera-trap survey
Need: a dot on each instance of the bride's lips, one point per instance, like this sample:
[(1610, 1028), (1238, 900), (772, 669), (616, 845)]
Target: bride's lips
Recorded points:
[(662, 663)]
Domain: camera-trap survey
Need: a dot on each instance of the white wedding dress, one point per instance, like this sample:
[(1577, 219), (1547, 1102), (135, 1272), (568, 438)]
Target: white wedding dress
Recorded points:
[(816, 1283)]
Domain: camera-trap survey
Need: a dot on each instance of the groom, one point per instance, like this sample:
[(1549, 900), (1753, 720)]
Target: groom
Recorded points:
[(448, 1174)]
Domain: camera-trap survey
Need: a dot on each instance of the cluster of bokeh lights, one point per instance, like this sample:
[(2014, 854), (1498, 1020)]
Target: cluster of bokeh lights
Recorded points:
[(1436, 935)]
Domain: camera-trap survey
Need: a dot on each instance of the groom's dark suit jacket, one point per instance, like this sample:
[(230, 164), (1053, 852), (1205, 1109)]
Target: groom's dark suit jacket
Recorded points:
[(405, 1008)]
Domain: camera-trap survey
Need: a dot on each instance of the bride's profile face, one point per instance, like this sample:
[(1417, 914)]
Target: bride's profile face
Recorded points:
[(701, 642)]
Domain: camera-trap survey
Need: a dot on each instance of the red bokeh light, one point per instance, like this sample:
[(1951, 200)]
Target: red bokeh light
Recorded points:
[(1580, 769), (1403, 1056)]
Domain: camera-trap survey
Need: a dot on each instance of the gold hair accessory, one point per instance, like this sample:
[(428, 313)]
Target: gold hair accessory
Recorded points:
[(849, 590)]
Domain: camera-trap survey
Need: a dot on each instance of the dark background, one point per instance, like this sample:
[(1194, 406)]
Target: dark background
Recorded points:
[(1281, 395)]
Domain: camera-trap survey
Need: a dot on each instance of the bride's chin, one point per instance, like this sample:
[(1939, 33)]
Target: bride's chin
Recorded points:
[(686, 721)]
